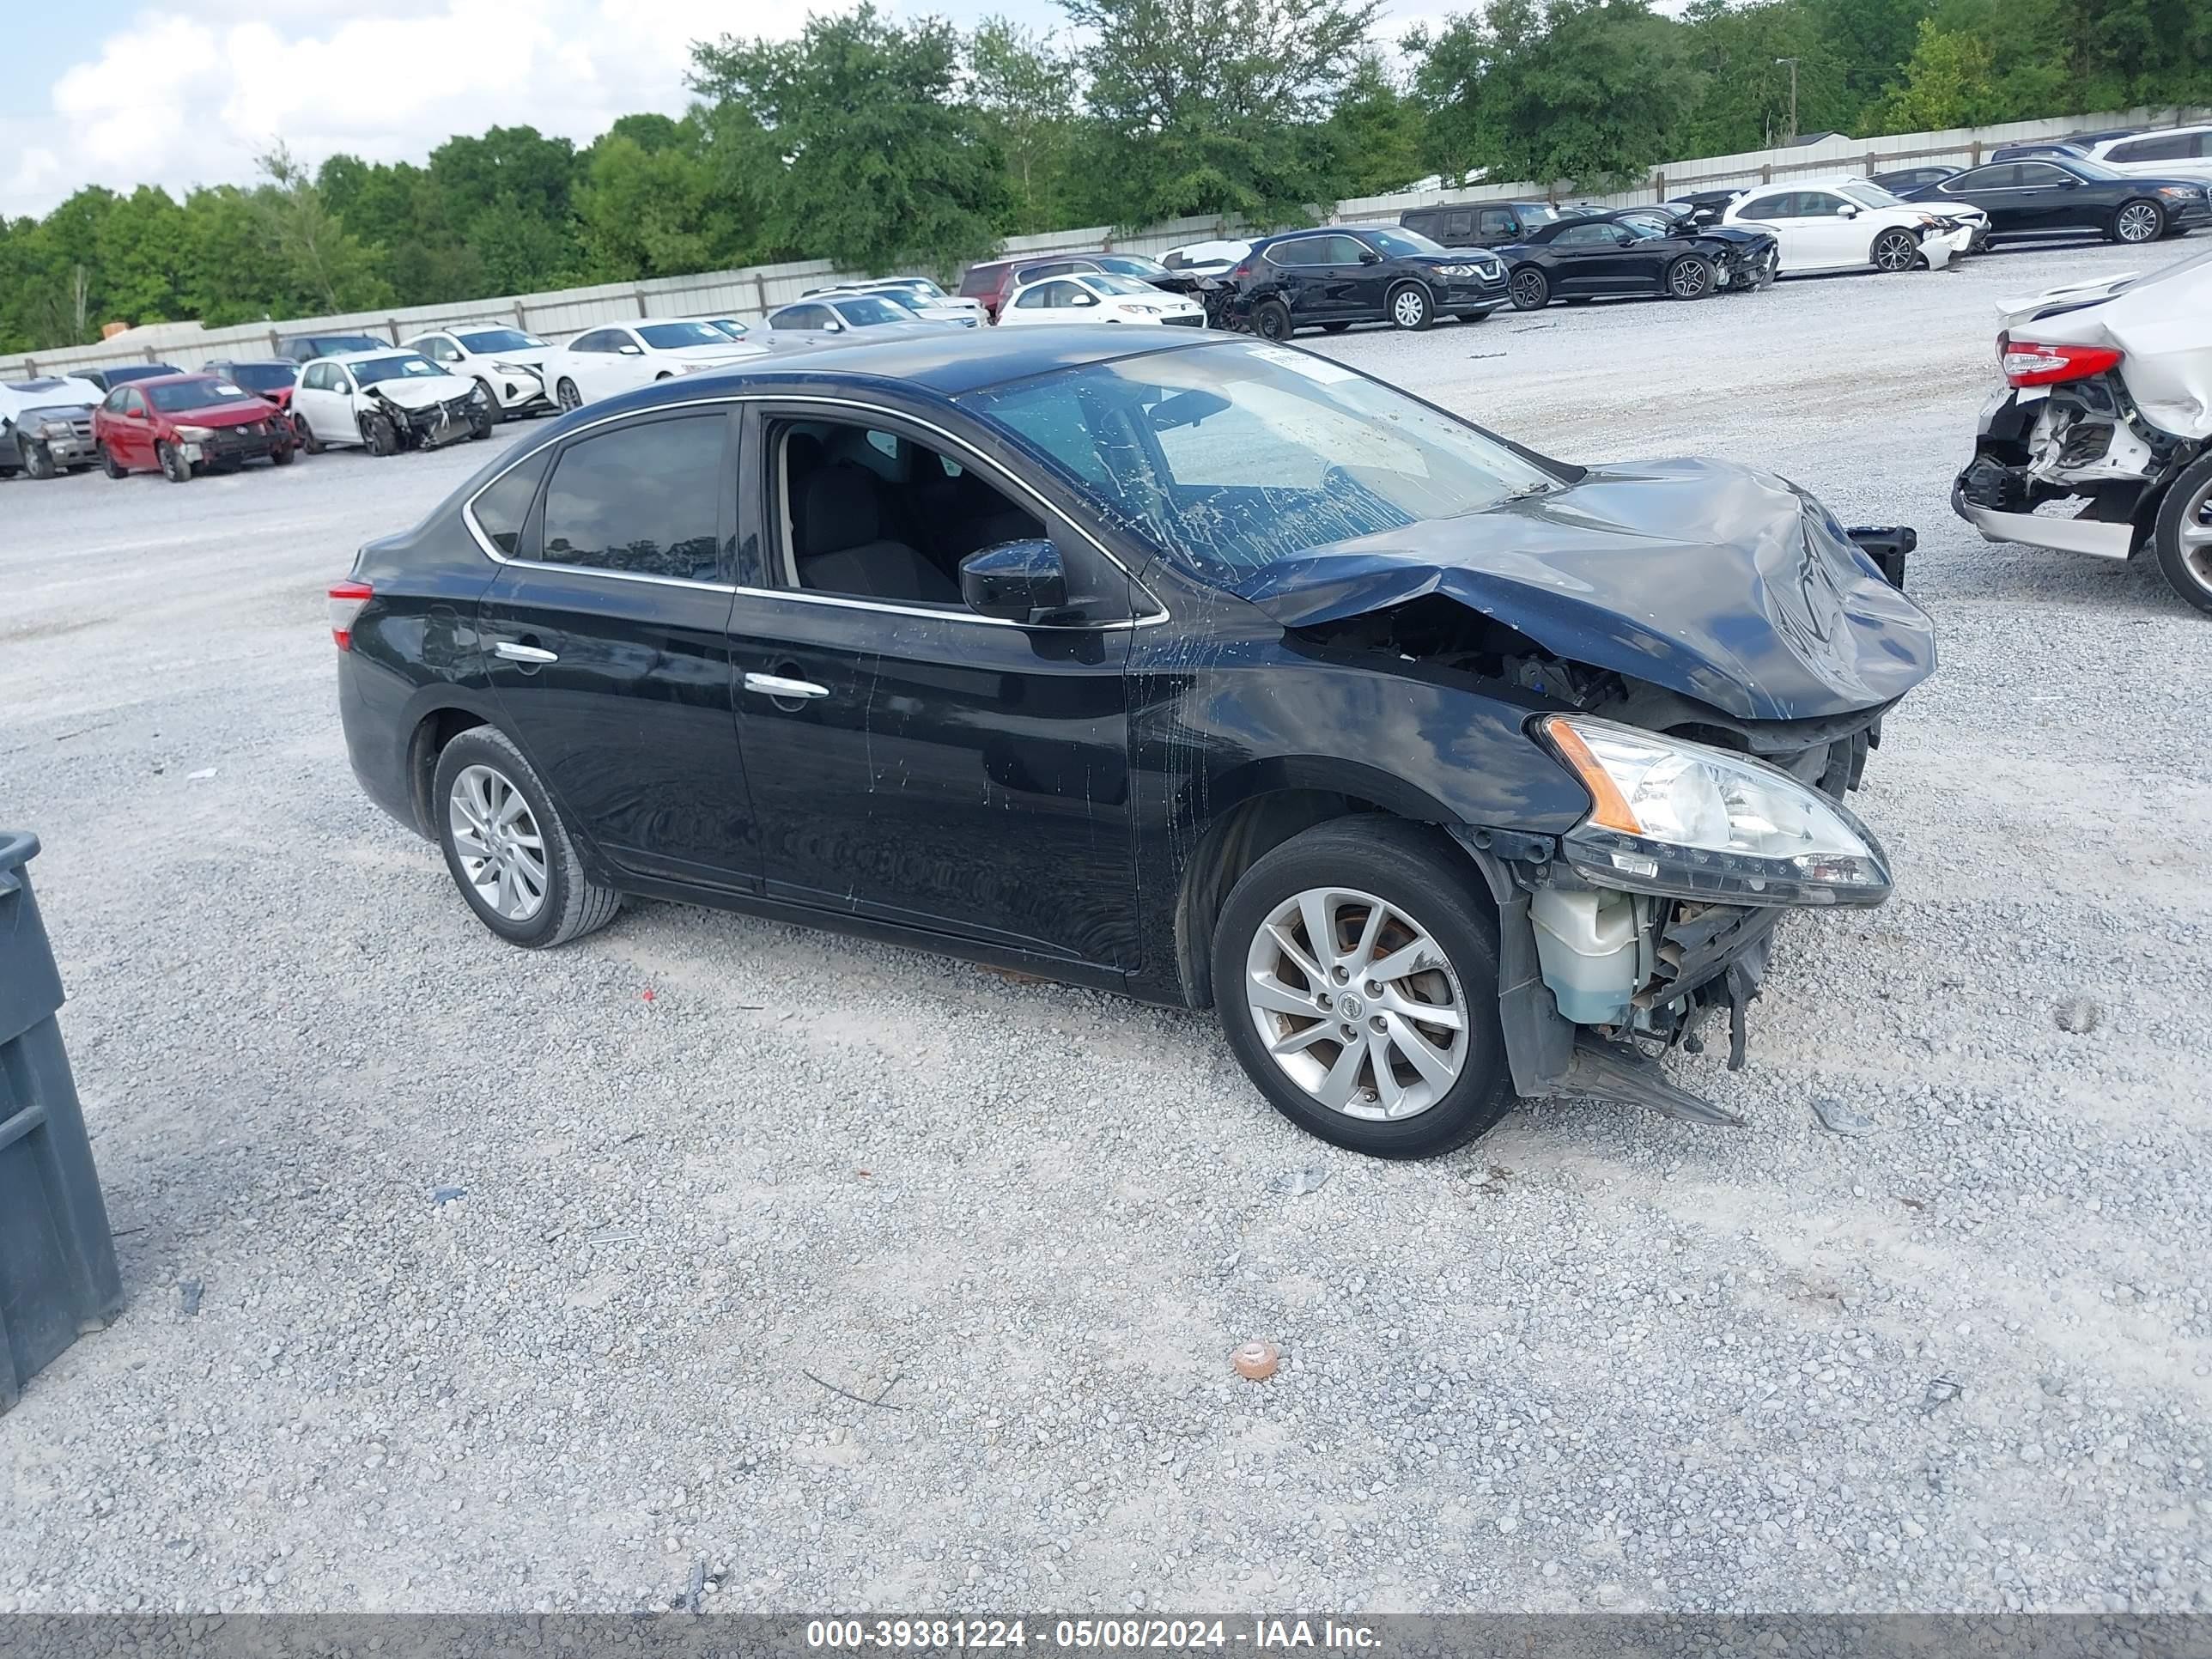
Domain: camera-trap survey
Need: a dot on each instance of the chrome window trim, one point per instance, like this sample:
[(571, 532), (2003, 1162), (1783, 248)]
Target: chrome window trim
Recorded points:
[(484, 545)]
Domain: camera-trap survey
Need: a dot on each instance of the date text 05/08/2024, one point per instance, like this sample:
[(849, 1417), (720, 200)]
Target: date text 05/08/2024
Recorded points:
[(1132, 1634)]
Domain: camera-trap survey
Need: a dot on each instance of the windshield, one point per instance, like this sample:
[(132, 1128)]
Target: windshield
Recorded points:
[(1537, 213), (500, 340), (866, 310), (2085, 167), (196, 394), (1231, 457), (329, 345), (264, 377), (1110, 285), (672, 337), (729, 325), (920, 286), (1400, 243), (404, 367), (1130, 265), (1872, 196)]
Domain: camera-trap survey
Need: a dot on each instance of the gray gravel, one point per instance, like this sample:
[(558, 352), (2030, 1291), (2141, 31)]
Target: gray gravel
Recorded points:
[(1958, 1360)]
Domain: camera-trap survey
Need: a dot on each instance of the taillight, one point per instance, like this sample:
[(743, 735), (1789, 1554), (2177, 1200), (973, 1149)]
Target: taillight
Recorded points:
[(1241, 271), (346, 601), (2026, 363)]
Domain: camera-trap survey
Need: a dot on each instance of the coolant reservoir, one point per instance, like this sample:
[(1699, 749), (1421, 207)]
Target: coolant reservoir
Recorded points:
[(1586, 946)]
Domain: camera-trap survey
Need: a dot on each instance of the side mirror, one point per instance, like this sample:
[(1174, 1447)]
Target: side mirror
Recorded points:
[(628, 349), (833, 326), (2068, 181), (1847, 211), (1014, 580), (1370, 256)]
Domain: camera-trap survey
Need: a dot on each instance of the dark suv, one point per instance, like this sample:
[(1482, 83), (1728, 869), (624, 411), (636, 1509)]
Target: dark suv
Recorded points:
[(1480, 224), (306, 348), (1201, 669), (1335, 276)]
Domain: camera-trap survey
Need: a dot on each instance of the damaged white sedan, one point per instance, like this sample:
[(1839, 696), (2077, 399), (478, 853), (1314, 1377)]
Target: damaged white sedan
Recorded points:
[(386, 401), (2101, 441)]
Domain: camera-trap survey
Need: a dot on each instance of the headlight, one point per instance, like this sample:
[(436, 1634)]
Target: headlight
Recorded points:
[(56, 429), (2179, 192), (195, 434), (1690, 821), (516, 369)]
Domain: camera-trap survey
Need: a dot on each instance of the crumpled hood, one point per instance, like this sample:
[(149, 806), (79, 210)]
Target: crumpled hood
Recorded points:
[(1705, 578), (422, 390)]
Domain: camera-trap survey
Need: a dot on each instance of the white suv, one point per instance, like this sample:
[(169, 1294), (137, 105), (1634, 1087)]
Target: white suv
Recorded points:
[(2170, 153), (508, 363)]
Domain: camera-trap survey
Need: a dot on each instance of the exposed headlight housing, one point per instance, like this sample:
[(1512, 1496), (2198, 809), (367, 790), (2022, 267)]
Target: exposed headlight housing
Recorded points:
[(56, 429), (196, 434), (1689, 821)]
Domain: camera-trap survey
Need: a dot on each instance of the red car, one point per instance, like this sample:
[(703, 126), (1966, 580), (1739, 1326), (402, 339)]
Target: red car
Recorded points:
[(181, 425), (273, 378)]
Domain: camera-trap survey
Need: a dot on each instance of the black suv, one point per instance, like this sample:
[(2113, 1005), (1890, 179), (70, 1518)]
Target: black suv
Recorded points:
[(306, 348), (1338, 275), (1205, 670), (1480, 224)]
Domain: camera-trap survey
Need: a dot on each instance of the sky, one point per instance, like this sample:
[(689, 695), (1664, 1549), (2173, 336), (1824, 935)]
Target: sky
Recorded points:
[(185, 95)]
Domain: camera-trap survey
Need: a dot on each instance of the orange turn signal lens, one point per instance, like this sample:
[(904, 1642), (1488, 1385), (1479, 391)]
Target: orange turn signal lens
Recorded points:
[(1610, 808)]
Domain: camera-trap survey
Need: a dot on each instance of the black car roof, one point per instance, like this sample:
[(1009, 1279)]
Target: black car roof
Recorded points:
[(943, 363)]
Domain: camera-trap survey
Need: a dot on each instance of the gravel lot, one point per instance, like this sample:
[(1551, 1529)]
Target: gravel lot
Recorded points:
[(1599, 1360)]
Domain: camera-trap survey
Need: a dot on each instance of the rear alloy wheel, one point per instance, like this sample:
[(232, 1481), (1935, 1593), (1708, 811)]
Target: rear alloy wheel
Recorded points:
[(174, 467), (2183, 534), (110, 466), (37, 459), (508, 851), (567, 395), (1270, 320), (1411, 308), (1893, 250), (2138, 222), (1356, 973), (1690, 278), (1531, 290)]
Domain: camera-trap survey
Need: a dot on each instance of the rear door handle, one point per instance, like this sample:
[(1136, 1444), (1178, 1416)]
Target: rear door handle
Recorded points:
[(774, 685), (514, 653)]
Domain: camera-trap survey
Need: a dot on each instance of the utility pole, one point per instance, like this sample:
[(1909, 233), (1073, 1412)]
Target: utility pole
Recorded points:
[(1792, 62)]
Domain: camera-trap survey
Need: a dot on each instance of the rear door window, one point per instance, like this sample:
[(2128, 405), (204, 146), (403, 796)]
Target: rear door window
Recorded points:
[(644, 500), (502, 509)]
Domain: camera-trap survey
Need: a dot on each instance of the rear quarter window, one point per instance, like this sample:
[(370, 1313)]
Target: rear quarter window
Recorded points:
[(502, 507)]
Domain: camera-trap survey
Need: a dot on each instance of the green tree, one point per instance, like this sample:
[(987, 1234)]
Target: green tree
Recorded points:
[(1742, 86), (1025, 86), (1375, 132), (1217, 106), (658, 212), (1590, 92), (882, 165), (1949, 81), (317, 265)]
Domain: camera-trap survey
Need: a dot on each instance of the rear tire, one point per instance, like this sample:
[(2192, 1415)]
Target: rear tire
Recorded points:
[(567, 395), (569, 904), (1531, 290), (1445, 934), (1270, 320), (38, 460), (2183, 534)]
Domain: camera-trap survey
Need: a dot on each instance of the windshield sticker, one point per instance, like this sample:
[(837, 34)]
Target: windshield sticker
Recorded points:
[(1319, 369)]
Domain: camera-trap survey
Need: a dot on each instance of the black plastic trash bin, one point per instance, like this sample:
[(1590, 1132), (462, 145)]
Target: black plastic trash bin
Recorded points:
[(57, 1277)]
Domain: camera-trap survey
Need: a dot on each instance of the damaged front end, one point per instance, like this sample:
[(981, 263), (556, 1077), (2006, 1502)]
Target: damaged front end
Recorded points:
[(431, 424), (1717, 751)]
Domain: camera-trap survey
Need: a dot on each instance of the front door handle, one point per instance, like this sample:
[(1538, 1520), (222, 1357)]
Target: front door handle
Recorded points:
[(530, 653), (774, 685)]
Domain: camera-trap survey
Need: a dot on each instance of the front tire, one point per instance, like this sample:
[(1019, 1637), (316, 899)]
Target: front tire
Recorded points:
[(2138, 222), (508, 849), (1893, 250), (282, 455), (567, 395), (1270, 320), (1410, 307), (380, 436), (1531, 290), (1356, 972), (38, 460), (2183, 534), (492, 403), (174, 467), (1690, 278)]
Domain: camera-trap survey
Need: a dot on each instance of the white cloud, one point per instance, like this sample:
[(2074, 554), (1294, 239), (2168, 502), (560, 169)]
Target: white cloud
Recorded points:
[(178, 99)]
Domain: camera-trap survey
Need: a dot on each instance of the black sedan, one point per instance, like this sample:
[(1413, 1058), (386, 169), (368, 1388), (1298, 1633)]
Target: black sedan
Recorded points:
[(1338, 275), (1899, 181), (1636, 251), (2068, 195), (124, 374), (1202, 670)]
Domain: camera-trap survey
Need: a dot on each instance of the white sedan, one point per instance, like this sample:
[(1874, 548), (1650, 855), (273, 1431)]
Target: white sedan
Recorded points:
[(1820, 227), (602, 361), (1098, 298), (505, 361), (385, 401)]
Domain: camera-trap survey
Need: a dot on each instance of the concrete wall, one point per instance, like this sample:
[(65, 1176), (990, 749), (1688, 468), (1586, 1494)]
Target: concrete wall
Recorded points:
[(752, 292)]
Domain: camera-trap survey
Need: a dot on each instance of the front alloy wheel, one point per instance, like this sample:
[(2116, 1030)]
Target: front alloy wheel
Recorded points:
[(2183, 534), (1894, 251), (2139, 221), (567, 395), (37, 459), (174, 467), (1689, 278), (1355, 969)]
